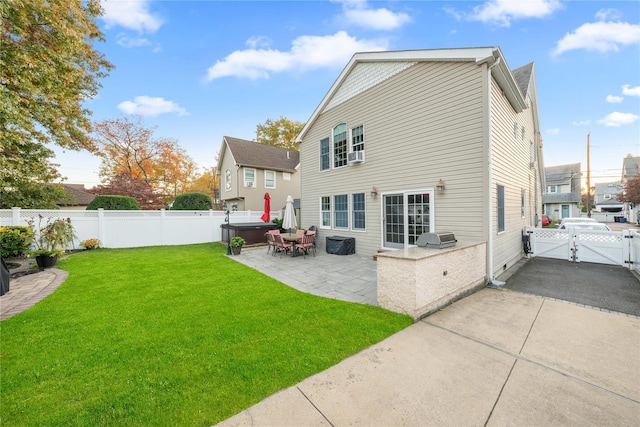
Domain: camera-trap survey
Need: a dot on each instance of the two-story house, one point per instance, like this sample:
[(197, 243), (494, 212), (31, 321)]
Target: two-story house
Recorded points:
[(562, 196), (605, 196), (408, 142), (248, 170)]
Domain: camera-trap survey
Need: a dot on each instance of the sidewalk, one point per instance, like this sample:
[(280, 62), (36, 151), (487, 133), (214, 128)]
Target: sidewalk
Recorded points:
[(495, 358)]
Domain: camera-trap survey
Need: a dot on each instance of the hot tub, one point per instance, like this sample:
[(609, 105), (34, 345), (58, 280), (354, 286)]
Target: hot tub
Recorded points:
[(252, 232)]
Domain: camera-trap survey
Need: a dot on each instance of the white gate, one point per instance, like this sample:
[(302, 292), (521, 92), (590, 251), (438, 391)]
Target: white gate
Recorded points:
[(579, 245)]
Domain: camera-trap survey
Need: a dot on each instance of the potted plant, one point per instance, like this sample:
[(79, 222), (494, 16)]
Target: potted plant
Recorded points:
[(236, 244), (51, 240)]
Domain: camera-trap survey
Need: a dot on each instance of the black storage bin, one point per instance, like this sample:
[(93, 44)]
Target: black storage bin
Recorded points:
[(339, 245)]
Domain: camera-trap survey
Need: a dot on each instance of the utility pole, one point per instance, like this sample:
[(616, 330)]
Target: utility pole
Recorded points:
[(588, 178)]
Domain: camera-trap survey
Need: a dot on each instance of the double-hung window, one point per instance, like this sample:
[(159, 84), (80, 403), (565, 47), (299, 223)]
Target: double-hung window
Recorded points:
[(357, 138), (249, 177), (325, 154), (325, 208), (341, 211), (269, 179), (358, 211), (340, 145)]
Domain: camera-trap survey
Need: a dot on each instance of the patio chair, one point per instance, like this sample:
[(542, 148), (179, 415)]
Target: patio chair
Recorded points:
[(300, 231), (271, 244), (307, 243), (281, 245)]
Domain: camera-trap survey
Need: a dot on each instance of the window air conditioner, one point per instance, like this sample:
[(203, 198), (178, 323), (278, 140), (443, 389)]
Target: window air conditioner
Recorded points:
[(355, 157), (248, 183)]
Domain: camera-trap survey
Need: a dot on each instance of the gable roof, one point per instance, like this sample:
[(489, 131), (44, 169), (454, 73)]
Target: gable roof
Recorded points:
[(630, 167), (77, 196), (394, 62), (261, 156), (522, 76)]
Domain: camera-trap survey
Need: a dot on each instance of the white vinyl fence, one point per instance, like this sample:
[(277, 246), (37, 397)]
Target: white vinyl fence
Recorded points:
[(128, 229), (576, 245)]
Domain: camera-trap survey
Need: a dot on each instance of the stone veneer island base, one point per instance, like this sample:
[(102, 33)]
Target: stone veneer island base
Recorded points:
[(419, 281)]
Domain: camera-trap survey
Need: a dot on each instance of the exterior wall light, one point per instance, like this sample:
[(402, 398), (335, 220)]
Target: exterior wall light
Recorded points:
[(440, 186), (374, 192)]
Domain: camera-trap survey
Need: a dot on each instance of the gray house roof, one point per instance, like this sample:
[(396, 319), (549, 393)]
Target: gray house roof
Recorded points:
[(262, 156), (522, 76), (77, 196), (563, 175)]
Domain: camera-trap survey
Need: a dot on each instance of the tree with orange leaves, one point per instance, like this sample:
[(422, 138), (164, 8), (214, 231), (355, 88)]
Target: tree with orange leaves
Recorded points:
[(128, 146)]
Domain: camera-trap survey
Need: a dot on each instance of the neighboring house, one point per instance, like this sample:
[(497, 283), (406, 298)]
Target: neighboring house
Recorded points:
[(630, 169), (77, 197), (562, 197), (605, 197), (408, 142), (249, 169)]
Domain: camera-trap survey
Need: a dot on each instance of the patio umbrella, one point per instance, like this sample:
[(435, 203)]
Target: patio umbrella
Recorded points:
[(266, 217), (289, 220)]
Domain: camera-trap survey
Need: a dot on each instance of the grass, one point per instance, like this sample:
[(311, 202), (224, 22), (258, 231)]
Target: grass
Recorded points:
[(177, 335)]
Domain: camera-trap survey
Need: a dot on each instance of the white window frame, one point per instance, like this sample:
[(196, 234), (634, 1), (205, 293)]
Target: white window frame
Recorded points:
[(324, 211), (247, 180), (227, 180), (335, 212), (328, 154), (352, 144), (346, 146), (353, 212), (266, 180)]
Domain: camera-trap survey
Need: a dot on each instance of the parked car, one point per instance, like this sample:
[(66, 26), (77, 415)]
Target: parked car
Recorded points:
[(586, 226), (545, 220), (570, 220)]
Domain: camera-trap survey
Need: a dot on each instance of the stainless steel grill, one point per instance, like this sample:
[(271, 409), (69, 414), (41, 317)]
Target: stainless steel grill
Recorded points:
[(440, 240)]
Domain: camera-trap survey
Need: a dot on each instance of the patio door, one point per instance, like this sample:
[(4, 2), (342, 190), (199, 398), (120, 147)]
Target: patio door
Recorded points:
[(406, 216)]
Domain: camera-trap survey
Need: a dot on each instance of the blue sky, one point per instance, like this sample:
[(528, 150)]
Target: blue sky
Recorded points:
[(199, 70)]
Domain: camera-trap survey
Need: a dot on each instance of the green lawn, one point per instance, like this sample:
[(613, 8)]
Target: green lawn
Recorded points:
[(172, 336)]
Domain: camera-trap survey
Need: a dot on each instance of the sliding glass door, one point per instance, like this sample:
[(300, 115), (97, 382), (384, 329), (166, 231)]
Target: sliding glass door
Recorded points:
[(406, 216)]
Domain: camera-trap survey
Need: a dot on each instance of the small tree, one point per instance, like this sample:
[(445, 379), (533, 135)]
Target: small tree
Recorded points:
[(124, 185), (192, 202), (631, 192)]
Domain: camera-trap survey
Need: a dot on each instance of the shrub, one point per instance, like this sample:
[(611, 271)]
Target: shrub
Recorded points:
[(192, 202), (92, 243), (114, 203), (15, 240), (52, 238)]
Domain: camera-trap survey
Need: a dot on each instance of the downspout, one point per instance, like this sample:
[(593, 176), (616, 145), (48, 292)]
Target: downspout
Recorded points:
[(490, 180)]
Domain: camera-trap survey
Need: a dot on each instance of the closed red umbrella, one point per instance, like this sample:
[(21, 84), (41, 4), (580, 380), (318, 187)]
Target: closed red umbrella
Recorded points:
[(266, 217)]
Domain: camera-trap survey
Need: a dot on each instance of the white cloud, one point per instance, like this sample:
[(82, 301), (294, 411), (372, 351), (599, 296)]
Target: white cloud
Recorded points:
[(258, 41), (554, 131), (133, 15), (307, 52), (502, 12), (125, 41), (607, 14), (581, 123), (358, 13), (617, 119), (614, 99), (149, 106), (631, 91), (599, 37)]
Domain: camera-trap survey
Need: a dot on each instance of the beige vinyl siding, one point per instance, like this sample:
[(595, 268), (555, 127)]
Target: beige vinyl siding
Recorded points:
[(511, 168), (421, 125)]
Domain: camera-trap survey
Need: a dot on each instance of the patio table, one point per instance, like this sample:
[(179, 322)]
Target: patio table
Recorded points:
[(293, 238)]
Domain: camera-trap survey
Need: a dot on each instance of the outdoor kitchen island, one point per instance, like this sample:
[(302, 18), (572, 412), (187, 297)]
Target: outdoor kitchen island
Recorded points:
[(420, 280)]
